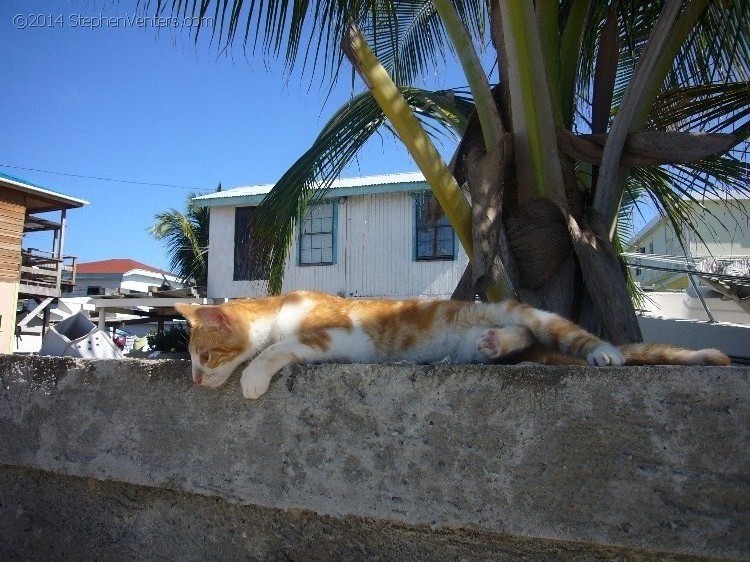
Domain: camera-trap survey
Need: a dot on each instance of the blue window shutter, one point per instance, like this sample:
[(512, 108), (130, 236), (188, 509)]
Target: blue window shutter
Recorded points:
[(298, 235), (414, 204), (335, 234)]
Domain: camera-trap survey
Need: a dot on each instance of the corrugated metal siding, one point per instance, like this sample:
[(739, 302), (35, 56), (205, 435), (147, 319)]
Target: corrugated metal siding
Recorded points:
[(374, 258)]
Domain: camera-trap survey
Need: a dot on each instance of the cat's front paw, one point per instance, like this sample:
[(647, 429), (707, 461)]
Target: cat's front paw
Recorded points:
[(254, 385), (605, 354)]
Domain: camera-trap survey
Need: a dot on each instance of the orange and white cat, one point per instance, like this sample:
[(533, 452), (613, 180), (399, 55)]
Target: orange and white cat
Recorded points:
[(309, 327)]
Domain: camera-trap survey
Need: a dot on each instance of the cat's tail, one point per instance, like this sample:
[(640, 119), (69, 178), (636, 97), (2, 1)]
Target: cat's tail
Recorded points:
[(661, 354)]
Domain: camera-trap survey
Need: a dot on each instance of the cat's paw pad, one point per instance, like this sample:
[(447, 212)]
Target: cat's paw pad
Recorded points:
[(489, 345), (605, 354)]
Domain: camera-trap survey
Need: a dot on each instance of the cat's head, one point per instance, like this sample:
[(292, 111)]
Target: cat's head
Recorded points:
[(218, 343)]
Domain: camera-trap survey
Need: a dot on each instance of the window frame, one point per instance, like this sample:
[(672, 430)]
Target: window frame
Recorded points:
[(418, 197), (333, 233)]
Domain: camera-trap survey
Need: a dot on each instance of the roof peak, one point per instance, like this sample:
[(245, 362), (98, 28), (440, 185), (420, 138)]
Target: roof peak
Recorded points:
[(117, 265)]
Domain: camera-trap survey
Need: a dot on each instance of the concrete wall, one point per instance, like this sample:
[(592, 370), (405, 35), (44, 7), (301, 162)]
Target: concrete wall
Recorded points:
[(122, 459)]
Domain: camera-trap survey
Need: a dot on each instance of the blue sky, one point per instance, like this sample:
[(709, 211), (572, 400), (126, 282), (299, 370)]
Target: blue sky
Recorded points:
[(147, 104)]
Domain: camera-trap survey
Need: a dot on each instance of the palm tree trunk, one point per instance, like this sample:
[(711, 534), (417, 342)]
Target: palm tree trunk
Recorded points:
[(587, 284)]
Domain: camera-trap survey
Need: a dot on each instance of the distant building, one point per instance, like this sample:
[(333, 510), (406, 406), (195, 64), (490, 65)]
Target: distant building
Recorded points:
[(721, 233), (119, 276), (36, 276), (102, 278), (374, 236)]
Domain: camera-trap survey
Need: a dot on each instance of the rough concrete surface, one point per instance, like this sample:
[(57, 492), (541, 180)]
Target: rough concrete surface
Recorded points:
[(374, 461)]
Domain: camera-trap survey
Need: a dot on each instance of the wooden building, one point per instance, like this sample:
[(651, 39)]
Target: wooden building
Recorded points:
[(29, 273)]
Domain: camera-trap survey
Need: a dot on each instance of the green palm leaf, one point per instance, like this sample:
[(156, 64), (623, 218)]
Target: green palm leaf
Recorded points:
[(407, 36), (313, 173), (705, 107), (715, 52), (186, 239), (303, 31)]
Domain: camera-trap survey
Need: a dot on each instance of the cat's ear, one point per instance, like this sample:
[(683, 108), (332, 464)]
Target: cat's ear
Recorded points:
[(188, 311), (206, 315), (213, 316)]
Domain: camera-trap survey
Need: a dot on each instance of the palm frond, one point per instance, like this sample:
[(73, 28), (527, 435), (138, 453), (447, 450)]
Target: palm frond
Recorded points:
[(406, 36), (409, 39), (186, 239), (313, 173), (705, 89), (717, 50), (298, 30), (705, 107)]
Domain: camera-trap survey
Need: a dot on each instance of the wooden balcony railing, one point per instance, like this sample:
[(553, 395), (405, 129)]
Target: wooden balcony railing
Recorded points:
[(45, 274)]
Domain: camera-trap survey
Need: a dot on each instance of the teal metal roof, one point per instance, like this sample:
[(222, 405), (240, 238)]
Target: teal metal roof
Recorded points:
[(5, 176), (344, 187), (61, 200)]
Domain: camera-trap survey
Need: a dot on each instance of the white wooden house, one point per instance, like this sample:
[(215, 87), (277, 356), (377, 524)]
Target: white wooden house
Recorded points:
[(370, 237)]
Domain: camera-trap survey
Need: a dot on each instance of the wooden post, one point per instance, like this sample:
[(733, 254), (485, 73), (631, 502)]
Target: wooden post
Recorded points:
[(60, 244), (55, 242)]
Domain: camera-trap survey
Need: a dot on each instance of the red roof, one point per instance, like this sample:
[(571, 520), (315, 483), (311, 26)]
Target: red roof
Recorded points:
[(115, 266)]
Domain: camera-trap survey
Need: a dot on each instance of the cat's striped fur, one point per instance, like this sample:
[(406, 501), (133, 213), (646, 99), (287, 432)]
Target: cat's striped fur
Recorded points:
[(310, 327)]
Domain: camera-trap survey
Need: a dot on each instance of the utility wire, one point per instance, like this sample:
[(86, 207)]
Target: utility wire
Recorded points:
[(103, 179)]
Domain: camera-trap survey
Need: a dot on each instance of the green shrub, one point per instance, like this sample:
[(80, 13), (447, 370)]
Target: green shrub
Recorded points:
[(173, 339)]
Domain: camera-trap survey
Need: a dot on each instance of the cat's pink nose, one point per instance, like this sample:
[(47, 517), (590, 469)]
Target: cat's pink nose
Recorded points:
[(198, 376)]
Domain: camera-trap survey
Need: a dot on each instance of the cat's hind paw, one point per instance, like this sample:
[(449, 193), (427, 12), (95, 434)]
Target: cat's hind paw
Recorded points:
[(494, 343), (605, 354), (489, 345)]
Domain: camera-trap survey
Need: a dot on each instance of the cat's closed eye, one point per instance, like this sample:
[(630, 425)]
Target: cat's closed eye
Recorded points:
[(205, 356)]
